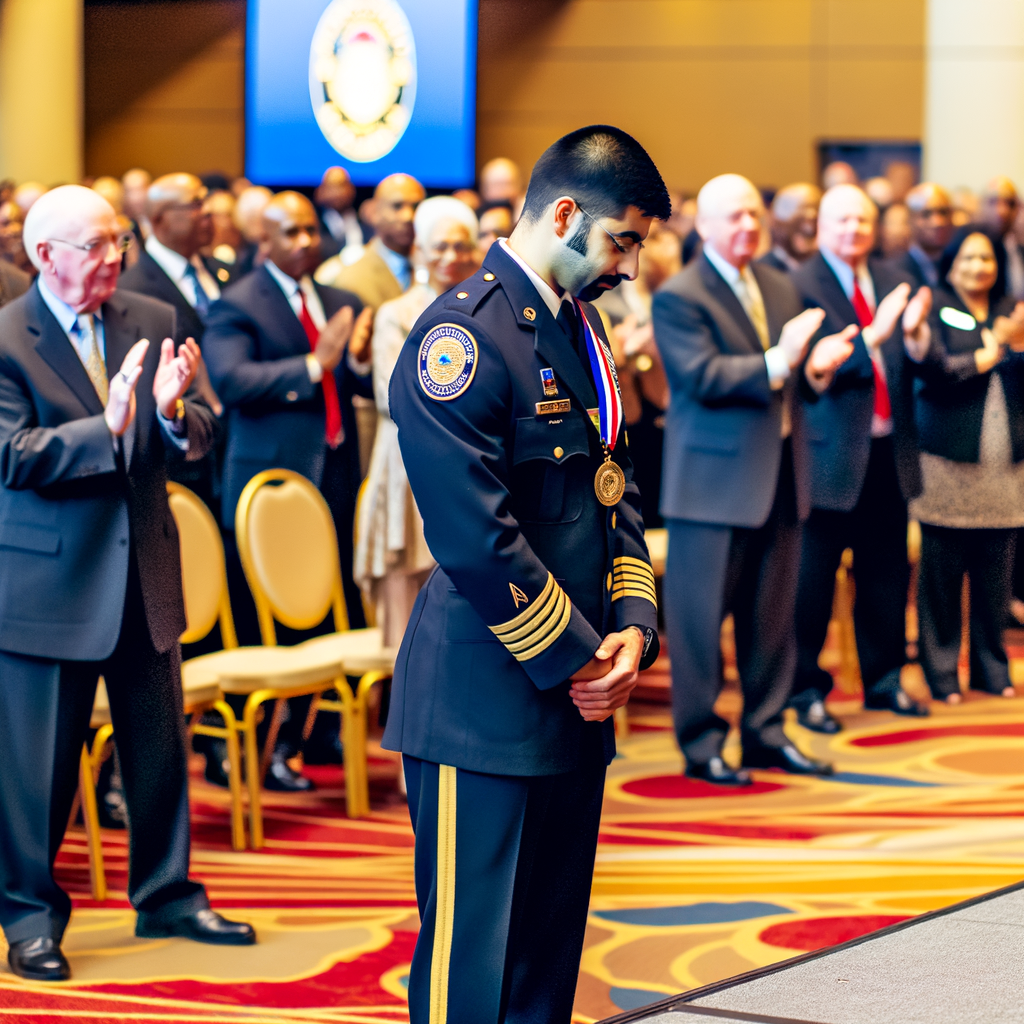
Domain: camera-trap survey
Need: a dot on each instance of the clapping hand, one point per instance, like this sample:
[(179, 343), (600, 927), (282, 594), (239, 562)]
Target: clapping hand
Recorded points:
[(175, 374), (120, 410), (828, 355), (887, 315), (797, 333), (917, 334), (1010, 329)]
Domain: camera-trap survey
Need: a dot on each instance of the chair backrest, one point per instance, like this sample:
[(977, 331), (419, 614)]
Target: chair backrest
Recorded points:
[(204, 577), (289, 551)]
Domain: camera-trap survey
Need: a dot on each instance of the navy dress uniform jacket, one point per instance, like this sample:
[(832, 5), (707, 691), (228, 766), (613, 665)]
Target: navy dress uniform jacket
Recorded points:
[(723, 431), (69, 505), (839, 422), (532, 570), (255, 349)]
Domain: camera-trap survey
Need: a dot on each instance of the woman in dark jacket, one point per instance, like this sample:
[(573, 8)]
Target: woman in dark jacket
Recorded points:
[(970, 420)]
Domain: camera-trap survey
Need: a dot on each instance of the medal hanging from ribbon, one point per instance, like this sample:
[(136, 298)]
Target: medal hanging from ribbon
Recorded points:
[(609, 481)]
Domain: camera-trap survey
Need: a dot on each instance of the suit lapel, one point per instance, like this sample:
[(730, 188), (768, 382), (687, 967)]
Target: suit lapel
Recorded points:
[(169, 292), (281, 312), (834, 293), (550, 341), (54, 346), (726, 297)]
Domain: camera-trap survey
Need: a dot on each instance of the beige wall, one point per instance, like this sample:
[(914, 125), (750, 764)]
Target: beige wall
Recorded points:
[(707, 85), (164, 87), (41, 90)]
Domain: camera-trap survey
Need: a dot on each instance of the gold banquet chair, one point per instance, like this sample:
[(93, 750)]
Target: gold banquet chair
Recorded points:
[(289, 551)]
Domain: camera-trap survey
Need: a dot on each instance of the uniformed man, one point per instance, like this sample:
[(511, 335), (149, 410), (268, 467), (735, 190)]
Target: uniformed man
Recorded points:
[(530, 632)]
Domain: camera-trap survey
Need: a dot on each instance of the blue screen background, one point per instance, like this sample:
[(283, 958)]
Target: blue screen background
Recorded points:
[(283, 142)]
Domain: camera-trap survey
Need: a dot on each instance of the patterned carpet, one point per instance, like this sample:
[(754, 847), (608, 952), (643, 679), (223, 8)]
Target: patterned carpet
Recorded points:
[(693, 884)]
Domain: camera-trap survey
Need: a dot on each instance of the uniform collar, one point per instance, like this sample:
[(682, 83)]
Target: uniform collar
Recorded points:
[(544, 290)]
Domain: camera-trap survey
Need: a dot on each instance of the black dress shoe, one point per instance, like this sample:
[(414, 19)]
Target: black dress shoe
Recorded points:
[(38, 960), (896, 700), (817, 718), (202, 926), (323, 749), (717, 772), (281, 778), (216, 770), (788, 758)]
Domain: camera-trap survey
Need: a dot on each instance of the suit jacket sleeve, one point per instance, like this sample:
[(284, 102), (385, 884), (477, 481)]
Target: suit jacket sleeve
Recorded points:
[(694, 361), (238, 376), (32, 456), (457, 462)]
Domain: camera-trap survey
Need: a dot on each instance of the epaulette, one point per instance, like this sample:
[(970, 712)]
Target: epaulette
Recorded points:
[(467, 297)]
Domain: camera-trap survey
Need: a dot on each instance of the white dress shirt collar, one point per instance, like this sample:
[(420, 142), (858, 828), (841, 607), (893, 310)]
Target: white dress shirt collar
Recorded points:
[(291, 287), (730, 273), (175, 266), (66, 316), (172, 263), (544, 290), (846, 274)]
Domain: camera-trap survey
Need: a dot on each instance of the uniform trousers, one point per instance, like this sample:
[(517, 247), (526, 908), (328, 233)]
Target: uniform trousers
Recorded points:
[(504, 866), (876, 529), (987, 558), (712, 570), (45, 707)]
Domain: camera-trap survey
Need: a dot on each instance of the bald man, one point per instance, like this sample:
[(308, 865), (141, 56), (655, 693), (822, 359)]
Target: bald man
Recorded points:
[(341, 230), (794, 226), (931, 228), (999, 205), (501, 181), (736, 485), (171, 269), (864, 458), (384, 270), (95, 402)]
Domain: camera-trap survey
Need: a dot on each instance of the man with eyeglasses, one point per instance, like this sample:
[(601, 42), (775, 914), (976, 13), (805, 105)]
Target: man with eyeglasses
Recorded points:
[(931, 226), (531, 631), (95, 401)]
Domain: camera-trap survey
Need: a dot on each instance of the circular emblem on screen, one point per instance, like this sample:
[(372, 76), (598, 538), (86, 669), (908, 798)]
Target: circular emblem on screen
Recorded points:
[(447, 361), (362, 76)]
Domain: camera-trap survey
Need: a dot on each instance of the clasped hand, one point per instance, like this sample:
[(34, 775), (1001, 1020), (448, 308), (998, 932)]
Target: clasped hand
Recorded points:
[(172, 379), (345, 330), (605, 682)]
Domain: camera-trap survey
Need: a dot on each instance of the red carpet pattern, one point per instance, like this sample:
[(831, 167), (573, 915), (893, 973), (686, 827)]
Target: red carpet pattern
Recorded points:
[(692, 884)]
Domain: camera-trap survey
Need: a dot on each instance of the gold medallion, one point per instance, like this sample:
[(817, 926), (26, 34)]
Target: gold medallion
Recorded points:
[(609, 483)]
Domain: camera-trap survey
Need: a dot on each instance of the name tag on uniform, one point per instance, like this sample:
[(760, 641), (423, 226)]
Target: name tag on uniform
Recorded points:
[(551, 408)]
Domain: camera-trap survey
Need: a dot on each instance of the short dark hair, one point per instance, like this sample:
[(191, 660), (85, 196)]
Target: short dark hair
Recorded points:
[(603, 169), (496, 204)]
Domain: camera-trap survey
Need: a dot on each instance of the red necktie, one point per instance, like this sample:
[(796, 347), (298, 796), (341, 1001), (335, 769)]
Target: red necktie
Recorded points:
[(883, 407), (335, 434)]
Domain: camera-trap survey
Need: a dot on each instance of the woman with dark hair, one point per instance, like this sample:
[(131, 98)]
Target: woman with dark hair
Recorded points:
[(970, 418)]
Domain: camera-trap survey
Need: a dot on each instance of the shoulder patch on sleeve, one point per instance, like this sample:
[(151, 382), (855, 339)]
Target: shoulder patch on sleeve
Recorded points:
[(447, 361)]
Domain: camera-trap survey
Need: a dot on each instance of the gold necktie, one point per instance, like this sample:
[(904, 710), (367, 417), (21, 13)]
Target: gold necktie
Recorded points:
[(750, 298), (94, 365)]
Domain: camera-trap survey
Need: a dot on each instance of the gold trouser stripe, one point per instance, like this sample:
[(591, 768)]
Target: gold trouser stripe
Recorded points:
[(444, 907), (528, 613), (620, 592), (554, 629)]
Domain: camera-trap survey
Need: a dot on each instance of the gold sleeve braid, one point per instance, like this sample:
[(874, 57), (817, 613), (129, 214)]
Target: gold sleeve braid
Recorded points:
[(632, 577), (534, 630)]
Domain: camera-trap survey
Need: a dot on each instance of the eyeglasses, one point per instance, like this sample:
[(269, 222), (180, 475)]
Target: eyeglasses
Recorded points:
[(98, 246), (624, 245)]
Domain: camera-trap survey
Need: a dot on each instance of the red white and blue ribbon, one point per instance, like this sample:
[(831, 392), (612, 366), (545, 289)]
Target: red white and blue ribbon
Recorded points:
[(603, 367)]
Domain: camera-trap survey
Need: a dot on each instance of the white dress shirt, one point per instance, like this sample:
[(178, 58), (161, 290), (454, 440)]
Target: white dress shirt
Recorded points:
[(175, 266), (544, 290), (845, 273), (68, 320)]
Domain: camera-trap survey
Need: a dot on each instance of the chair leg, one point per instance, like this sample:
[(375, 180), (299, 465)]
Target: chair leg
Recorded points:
[(234, 774), (271, 741), (90, 814), (359, 730), (252, 771)]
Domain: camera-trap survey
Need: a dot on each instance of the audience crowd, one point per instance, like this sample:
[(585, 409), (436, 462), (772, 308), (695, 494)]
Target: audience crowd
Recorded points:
[(899, 398)]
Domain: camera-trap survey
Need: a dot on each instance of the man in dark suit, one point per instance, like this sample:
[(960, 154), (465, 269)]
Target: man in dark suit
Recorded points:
[(793, 220), (864, 460), (91, 578), (735, 487), (286, 355), (170, 268), (340, 226), (931, 226)]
